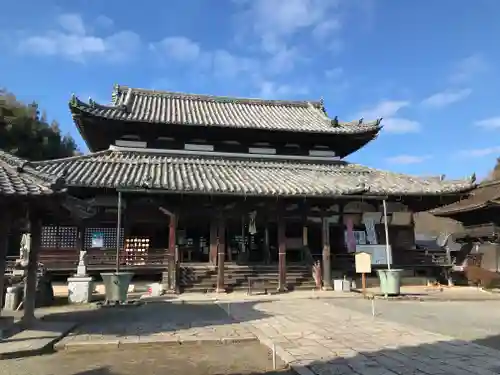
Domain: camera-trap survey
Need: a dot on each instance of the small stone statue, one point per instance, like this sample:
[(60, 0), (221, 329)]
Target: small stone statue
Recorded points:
[(82, 264)]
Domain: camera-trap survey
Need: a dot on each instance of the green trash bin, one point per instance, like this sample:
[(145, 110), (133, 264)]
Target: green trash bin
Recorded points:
[(116, 285), (390, 281)]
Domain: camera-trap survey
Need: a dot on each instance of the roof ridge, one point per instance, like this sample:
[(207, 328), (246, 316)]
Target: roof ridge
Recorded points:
[(68, 158), (188, 153), (210, 97)]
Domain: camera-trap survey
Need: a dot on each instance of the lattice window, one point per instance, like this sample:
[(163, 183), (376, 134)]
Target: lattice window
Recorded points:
[(57, 237), (108, 234)]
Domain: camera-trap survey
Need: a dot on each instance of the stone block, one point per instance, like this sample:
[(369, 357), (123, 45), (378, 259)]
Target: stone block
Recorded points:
[(13, 297), (80, 289)]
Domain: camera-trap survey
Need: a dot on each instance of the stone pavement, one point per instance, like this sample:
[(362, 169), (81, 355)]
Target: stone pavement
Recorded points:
[(36, 340), (317, 337), (156, 323)]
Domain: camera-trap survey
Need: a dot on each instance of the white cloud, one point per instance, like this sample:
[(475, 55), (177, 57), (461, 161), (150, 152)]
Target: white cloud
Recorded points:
[(274, 23), (392, 122), (489, 123), (73, 42), (407, 159), (272, 90), (178, 48), (385, 108), (72, 23), (480, 152), (400, 125), (226, 64), (468, 68), (325, 28), (444, 98), (282, 18), (104, 21), (221, 63)]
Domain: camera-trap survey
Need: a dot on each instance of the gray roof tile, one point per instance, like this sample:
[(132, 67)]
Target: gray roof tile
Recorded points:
[(217, 173), (486, 194), (177, 108), (16, 179)]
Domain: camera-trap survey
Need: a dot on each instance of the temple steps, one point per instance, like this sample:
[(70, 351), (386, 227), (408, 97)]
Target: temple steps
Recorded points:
[(203, 279)]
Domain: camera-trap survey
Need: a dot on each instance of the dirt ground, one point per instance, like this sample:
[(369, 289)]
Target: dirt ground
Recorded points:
[(247, 358)]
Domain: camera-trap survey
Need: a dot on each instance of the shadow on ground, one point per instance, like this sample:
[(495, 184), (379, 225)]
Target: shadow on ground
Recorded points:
[(149, 318)]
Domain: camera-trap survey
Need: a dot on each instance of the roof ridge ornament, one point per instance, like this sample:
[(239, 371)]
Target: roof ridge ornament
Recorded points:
[(360, 122), (335, 121), (473, 178), (73, 100)]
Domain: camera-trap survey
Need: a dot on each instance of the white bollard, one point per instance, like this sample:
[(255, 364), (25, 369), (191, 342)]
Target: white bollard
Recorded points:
[(373, 306), (228, 309), (274, 356)]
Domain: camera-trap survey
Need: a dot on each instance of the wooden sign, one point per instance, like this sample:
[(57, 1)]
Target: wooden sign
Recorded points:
[(363, 262), (79, 208)]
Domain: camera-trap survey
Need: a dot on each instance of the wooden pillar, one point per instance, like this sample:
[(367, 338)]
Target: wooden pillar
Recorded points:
[(213, 241), (172, 286), (80, 241), (327, 264), (30, 292), (281, 252), (4, 231), (267, 250), (221, 256)]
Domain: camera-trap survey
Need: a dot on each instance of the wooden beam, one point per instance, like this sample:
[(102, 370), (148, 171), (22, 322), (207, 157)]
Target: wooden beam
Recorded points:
[(4, 231), (327, 266), (221, 255), (213, 241), (282, 287), (172, 286), (30, 292)]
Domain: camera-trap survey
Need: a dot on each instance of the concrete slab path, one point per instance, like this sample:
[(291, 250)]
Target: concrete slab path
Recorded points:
[(36, 340), (318, 337)]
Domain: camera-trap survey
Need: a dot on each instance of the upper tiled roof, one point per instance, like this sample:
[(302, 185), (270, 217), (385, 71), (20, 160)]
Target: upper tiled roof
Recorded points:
[(217, 173), (203, 110), (487, 193), (18, 179)]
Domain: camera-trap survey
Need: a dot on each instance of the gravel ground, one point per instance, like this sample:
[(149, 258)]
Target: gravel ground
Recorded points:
[(251, 358), (468, 320)]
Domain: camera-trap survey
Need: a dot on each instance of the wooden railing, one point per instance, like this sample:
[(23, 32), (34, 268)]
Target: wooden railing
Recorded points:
[(97, 261)]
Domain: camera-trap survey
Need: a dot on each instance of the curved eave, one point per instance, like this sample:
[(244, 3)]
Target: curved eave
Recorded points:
[(18, 179), (483, 196)]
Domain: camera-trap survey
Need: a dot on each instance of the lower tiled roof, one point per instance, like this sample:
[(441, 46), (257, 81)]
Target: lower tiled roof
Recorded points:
[(484, 195), (215, 173), (16, 178)]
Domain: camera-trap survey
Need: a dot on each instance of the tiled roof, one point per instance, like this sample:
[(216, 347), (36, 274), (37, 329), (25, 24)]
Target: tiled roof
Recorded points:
[(18, 179), (203, 110), (487, 193), (239, 174)]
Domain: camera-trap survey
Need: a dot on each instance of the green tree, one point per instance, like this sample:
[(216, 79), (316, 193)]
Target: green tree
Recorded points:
[(27, 134)]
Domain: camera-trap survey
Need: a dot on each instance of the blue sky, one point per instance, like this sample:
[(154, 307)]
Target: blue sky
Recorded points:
[(430, 68)]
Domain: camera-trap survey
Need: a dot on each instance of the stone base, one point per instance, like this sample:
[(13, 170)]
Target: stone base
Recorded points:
[(80, 289), (13, 297)]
